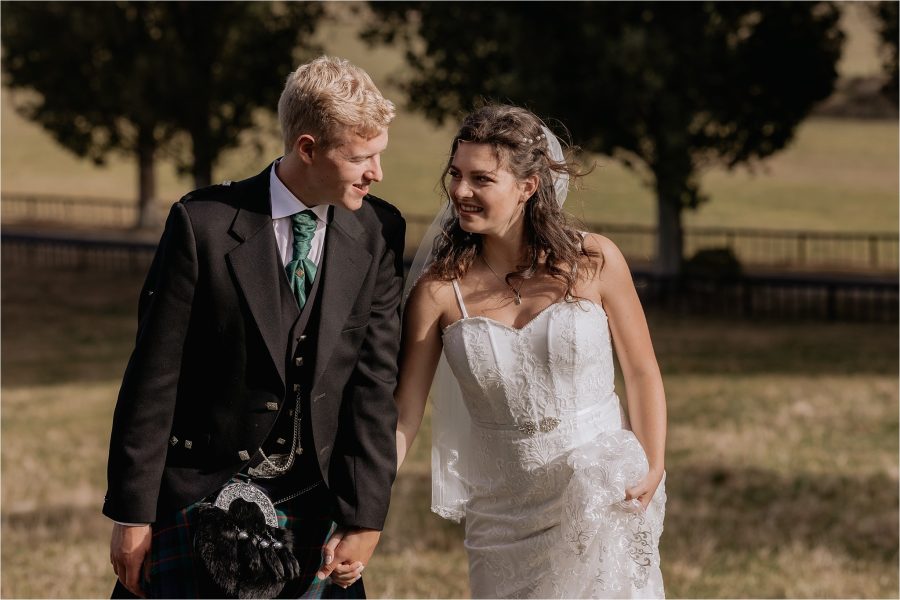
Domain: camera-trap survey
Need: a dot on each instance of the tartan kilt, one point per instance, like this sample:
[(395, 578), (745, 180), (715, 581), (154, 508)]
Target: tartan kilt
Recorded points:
[(173, 571)]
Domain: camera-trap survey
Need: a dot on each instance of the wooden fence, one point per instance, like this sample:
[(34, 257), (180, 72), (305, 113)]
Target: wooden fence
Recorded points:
[(808, 296), (799, 250), (75, 210)]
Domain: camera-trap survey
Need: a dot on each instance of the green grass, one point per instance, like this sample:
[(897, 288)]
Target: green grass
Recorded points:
[(782, 453)]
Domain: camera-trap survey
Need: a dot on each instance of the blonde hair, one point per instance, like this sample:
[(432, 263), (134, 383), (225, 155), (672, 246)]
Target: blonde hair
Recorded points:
[(329, 94)]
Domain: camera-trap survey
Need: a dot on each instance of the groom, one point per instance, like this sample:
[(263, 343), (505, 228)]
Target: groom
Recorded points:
[(266, 346)]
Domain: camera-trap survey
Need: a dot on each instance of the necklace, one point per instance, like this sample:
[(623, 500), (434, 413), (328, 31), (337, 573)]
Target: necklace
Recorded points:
[(516, 296)]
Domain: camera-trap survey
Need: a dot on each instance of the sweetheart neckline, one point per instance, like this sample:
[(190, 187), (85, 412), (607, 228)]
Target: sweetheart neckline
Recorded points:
[(530, 321)]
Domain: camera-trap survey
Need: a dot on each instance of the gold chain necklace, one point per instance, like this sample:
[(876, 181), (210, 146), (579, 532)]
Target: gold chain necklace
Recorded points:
[(516, 296)]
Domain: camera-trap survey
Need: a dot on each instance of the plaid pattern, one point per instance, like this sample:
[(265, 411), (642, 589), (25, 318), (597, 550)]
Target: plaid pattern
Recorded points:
[(175, 572)]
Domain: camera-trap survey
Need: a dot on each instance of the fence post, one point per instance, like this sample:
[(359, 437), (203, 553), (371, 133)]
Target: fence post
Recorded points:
[(831, 302), (873, 251), (747, 298)]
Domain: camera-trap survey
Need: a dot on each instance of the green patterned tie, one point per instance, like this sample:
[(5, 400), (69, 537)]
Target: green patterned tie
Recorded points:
[(301, 271)]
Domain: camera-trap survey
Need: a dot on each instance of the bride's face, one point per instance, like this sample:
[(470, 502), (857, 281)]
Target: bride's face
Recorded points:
[(487, 196)]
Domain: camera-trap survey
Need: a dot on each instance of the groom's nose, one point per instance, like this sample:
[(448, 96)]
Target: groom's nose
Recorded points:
[(374, 172)]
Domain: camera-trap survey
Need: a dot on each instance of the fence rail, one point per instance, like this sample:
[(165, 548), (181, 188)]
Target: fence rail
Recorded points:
[(805, 250), (776, 296), (865, 251), (55, 251), (76, 210)]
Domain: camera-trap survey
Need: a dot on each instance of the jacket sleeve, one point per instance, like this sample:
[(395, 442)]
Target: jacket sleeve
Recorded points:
[(372, 412), (145, 408)]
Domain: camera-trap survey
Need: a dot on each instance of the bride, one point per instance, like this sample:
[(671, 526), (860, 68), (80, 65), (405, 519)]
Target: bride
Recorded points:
[(561, 489)]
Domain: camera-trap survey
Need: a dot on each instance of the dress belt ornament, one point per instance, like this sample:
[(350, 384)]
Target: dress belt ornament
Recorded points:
[(545, 425)]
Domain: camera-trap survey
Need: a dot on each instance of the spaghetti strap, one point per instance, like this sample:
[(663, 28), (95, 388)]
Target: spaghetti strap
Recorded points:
[(462, 305)]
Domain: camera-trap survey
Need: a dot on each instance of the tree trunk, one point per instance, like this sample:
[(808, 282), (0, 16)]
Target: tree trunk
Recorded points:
[(203, 153), (669, 236), (146, 148)]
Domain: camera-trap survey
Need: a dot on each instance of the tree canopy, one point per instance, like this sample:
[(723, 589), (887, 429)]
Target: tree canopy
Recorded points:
[(128, 76), (667, 88)]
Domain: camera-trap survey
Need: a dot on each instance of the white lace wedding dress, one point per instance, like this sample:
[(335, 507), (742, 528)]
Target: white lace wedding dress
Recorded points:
[(549, 455)]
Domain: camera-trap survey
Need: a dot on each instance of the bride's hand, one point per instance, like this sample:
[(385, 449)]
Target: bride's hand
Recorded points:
[(645, 488)]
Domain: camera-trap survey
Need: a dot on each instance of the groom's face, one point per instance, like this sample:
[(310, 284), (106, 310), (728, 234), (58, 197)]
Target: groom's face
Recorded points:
[(342, 173)]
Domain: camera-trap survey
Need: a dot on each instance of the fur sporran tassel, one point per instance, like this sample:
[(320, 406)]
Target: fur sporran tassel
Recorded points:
[(243, 555)]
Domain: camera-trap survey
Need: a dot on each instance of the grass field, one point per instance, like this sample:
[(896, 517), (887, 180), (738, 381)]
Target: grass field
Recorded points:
[(782, 454)]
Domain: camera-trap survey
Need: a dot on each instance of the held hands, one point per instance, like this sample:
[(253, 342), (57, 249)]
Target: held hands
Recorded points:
[(128, 547), (346, 555), (645, 488)]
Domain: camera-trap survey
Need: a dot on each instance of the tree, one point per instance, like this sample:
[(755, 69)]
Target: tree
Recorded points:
[(887, 14), (667, 88), (128, 77)]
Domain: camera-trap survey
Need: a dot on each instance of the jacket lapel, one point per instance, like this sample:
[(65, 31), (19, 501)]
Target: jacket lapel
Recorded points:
[(256, 268), (346, 264)]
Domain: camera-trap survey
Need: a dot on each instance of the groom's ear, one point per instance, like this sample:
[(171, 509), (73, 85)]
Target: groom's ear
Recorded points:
[(304, 148)]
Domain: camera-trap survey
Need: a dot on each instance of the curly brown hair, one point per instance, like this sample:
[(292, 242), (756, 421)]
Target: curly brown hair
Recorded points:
[(516, 135)]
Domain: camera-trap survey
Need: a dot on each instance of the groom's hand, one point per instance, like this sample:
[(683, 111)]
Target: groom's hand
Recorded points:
[(128, 548), (347, 553)]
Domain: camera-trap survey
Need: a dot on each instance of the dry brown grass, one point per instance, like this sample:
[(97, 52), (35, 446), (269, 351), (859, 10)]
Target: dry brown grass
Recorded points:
[(782, 462)]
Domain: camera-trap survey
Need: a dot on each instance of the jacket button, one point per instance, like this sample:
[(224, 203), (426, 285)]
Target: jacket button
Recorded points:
[(298, 361), (272, 405), (173, 440), (188, 444), (243, 455), (301, 338), (280, 441)]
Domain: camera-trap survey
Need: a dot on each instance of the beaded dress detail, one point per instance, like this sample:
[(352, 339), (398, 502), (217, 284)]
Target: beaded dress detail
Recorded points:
[(550, 455)]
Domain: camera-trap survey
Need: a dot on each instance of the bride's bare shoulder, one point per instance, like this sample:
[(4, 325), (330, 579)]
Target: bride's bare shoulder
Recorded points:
[(431, 295)]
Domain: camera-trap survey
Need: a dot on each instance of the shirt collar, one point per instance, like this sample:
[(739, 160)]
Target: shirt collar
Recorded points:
[(285, 204)]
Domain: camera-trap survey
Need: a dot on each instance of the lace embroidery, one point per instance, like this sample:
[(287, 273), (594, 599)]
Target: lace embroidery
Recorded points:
[(546, 515)]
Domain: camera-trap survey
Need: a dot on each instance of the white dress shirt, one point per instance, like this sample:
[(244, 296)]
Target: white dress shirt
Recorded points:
[(285, 204)]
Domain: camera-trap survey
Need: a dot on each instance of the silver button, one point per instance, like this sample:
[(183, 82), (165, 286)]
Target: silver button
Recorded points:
[(227, 182), (296, 387), (298, 361), (272, 405), (244, 455), (188, 444), (301, 338), (280, 441), (173, 440)]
